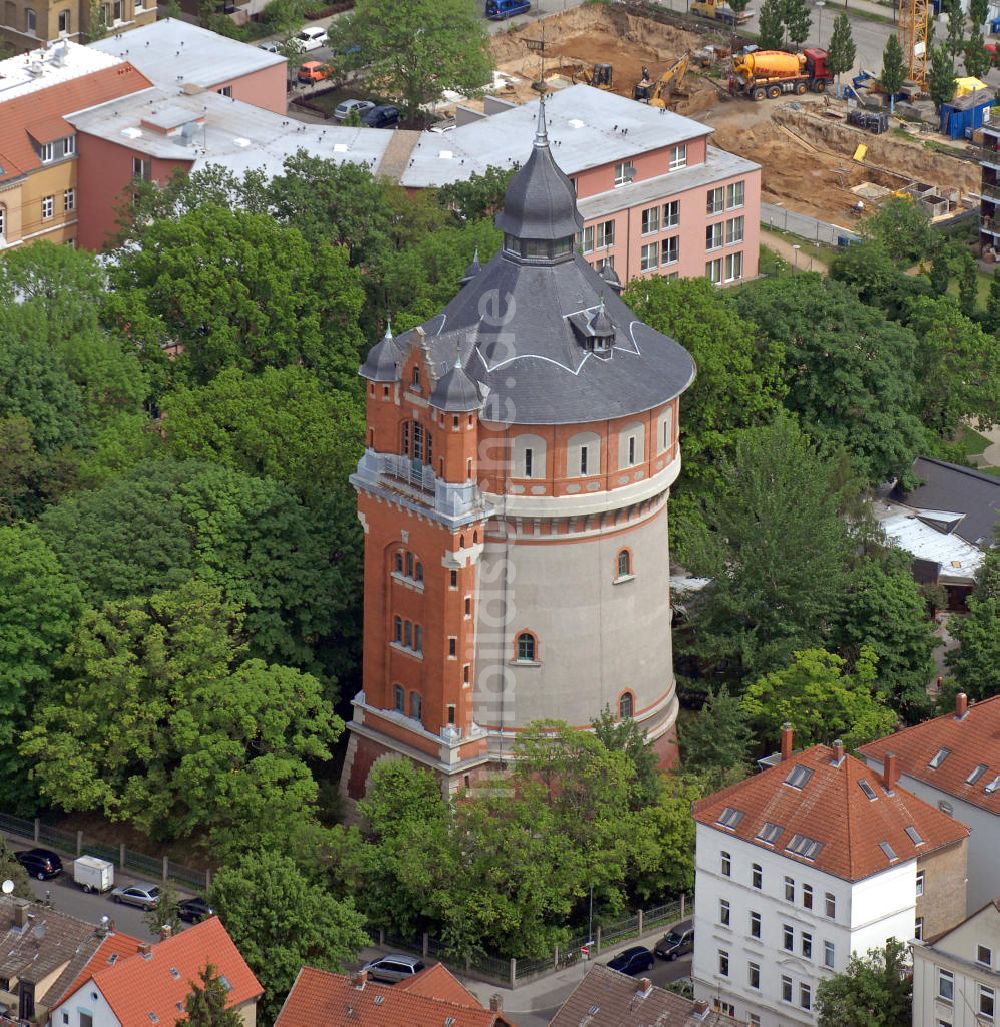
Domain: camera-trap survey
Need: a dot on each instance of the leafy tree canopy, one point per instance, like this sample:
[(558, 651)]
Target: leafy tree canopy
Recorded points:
[(841, 51), (941, 75), (975, 664), (893, 68), (717, 742), (205, 1005), (876, 990)]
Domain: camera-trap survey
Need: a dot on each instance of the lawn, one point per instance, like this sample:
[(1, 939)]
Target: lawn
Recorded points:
[(971, 442)]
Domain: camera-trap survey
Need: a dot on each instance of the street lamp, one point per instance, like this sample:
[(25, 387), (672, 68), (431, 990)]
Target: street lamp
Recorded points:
[(796, 247), (820, 4)]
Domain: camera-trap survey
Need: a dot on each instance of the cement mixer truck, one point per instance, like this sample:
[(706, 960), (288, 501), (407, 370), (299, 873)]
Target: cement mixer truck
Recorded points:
[(773, 72)]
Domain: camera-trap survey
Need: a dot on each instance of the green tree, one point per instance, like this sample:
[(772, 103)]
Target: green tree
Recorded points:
[(956, 26), (205, 1005), (876, 990), (975, 663), (670, 867), (979, 11), (992, 321), (11, 870), (716, 743), (943, 267), (479, 195), (941, 75), (976, 56), (968, 283), (893, 69), (39, 608), (822, 700), (776, 550), (627, 736), (797, 19), (841, 51), (165, 914), (160, 721), (236, 289), (417, 50), (771, 27), (903, 229), (280, 920)]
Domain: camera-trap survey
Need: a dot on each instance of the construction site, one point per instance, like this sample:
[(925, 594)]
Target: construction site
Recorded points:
[(814, 162)]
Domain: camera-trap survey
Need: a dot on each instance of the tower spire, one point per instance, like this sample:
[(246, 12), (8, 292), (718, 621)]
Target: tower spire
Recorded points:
[(541, 128)]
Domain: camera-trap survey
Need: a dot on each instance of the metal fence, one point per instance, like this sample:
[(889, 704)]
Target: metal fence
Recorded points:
[(510, 972), (74, 843), (808, 227)]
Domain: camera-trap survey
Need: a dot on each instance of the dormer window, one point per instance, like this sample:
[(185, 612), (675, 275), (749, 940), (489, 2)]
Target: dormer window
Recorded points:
[(415, 377), (539, 249)]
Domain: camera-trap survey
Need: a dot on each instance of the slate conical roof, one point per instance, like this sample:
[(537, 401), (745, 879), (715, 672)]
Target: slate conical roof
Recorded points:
[(541, 200), (455, 391), (472, 270), (383, 360)]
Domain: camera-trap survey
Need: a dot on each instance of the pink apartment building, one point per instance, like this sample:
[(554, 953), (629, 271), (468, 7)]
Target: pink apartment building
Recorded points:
[(656, 198)]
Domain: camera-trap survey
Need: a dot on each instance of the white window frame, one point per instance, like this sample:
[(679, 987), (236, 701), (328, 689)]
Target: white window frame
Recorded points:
[(670, 243), (48, 207), (69, 146), (621, 173), (945, 978), (69, 198), (733, 267), (725, 864), (734, 230), (605, 234), (920, 883), (587, 239), (671, 217), (715, 235), (678, 156), (829, 955), (48, 152), (987, 995), (713, 271), (649, 256), (753, 975), (735, 195), (650, 220), (724, 912), (756, 924), (715, 200)]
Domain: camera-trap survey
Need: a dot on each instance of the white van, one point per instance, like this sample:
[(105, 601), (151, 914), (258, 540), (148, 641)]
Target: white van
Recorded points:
[(93, 874), (311, 38)]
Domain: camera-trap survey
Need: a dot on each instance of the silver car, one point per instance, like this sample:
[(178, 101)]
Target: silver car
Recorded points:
[(145, 896), (345, 107), (393, 968)]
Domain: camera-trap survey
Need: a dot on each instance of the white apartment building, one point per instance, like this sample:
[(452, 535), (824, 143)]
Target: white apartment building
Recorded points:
[(801, 866)]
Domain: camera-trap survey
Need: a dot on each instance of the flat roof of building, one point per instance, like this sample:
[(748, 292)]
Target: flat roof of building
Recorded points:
[(172, 51), (224, 131), (957, 559), (587, 128), (49, 66)]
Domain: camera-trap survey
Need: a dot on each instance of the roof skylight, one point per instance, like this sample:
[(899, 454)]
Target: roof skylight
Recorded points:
[(977, 773), (867, 789), (939, 757), (805, 847), (887, 850), (770, 833), (730, 817), (799, 776), (914, 835)]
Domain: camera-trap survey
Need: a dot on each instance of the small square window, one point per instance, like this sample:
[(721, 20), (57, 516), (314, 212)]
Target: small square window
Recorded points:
[(946, 985), (723, 963), (726, 866), (788, 936), (984, 955), (757, 876)]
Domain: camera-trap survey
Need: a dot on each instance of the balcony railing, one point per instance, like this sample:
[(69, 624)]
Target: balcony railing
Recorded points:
[(990, 154), (991, 225), (990, 192), (402, 469)]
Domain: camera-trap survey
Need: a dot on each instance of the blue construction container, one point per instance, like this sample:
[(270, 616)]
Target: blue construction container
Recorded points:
[(963, 115)]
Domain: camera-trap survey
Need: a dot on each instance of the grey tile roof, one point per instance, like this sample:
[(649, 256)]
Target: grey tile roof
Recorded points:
[(951, 487), (383, 360), (455, 392)]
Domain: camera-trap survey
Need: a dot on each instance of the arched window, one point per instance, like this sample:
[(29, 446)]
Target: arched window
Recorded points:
[(398, 698), (405, 444), (399, 561), (408, 634), (415, 705), (64, 21), (418, 638), (418, 572), (415, 377), (475, 538), (624, 564), (526, 647), (397, 629), (626, 705), (409, 565)]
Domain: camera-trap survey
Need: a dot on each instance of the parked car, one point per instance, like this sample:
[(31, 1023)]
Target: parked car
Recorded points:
[(40, 863), (345, 107), (633, 961), (311, 38), (393, 968), (677, 942), (269, 45), (382, 116), (314, 71), (145, 896), (193, 911)]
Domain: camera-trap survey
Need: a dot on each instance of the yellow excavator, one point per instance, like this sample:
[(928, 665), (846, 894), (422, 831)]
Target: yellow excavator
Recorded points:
[(600, 75), (656, 92)]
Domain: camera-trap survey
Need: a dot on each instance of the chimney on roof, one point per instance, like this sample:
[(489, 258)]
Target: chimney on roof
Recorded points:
[(786, 741), (360, 979), (645, 987), (699, 1011), (145, 949), (890, 775), (961, 705), (838, 752), (21, 914), (165, 931), (496, 1002)]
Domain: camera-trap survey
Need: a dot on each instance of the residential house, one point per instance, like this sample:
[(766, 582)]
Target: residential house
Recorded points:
[(28, 24), (953, 763), (432, 998), (39, 153), (805, 864), (956, 976), (150, 985), (42, 952), (607, 998)]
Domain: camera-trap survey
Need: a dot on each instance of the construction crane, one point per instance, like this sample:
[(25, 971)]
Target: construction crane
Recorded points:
[(656, 93), (913, 39)]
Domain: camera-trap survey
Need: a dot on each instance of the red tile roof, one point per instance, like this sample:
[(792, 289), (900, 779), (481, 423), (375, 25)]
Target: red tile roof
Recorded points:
[(113, 948), (972, 742), (334, 1000), (39, 109), (159, 981), (438, 982), (832, 810)]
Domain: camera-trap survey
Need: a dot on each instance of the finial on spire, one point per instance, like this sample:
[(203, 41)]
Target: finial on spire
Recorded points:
[(458, 357), (541, 129), (475, 256), (388, 328)]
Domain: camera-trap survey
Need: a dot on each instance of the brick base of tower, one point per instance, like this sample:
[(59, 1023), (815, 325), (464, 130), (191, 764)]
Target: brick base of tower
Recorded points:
[(666, 749)]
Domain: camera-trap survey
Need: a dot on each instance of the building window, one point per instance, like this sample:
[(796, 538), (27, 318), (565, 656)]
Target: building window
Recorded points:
[(807, 945), (398, 562), (397, 629), (47, 152), (714, 200), (409, 565), (140, 169), (624, 564), (650, 220), (587, 240), (468, 606), (64, 21), (624, 172), (713, 236), (725, 864), (672, 214), (30, 21), (48, 207), (452, 580), (788, 935), (946, 985), (405, 438), (918, 928), (734, 195), (754, 925), (753, 1020), (398, 698), (583, 459), (734, 230), (648, 256), (789, 889), (670, 250), (753, 975), (225, 91), (418, 638), (631, 451), (529, 462), (723, 912), (69, 199), (805, 996), (831, 905), (920, 883), (3, 220), (945, 808), (678, 156), (713, 271), (987, 1002), (723, 963), (415, 705), (734, 267), (526, 647), (418, 573), (452, 646), (757, 876), (407, 634), (807, 896), (626, 705), (984, 955), (829, 954), (605, 234), (465, 674), (786, 989)]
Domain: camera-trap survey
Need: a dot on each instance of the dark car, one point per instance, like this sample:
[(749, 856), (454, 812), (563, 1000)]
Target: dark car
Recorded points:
[(382, 116), (40, 863), (677, 942), (193, 911), (633, 961)]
